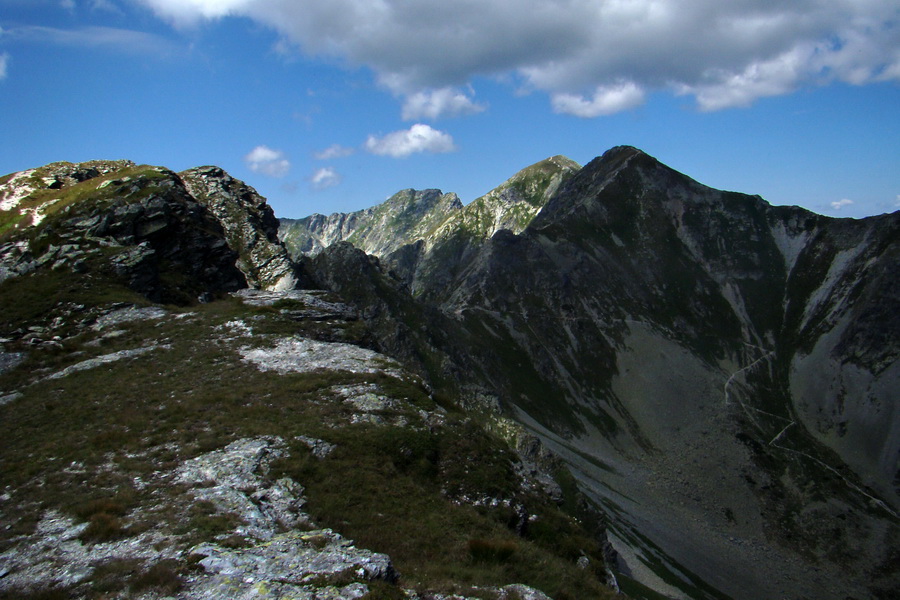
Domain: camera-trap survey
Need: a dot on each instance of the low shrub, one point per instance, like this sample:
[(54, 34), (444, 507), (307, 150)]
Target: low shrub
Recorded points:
[(103, 527), (491, 550), (162, 577)]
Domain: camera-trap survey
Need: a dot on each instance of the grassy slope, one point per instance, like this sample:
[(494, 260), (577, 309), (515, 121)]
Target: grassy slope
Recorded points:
[(387, 487)]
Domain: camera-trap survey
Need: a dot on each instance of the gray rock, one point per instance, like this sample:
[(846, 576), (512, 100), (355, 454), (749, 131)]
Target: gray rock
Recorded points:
[(298, 558), (7, 398), (128, 314), (54, 556), (233, 479), (93, 363), (521, 592), (249, 224), (11, 360), (313, 306), (302, 355), (319, 448)]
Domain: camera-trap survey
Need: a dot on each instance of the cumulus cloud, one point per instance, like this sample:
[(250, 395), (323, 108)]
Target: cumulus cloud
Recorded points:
[(434, 104), (839, 204), (605, 101), (4, 64), (334, 151), (418, 138), (325, 177), (266, 161), (724, 54)]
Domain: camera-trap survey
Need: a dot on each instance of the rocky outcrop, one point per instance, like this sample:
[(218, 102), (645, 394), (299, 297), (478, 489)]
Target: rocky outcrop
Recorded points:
[(171, 237), (289, 554), (250, 226)]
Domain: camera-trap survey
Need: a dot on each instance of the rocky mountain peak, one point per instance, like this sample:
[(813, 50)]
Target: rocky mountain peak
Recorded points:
[(151, 226), (405, 217)]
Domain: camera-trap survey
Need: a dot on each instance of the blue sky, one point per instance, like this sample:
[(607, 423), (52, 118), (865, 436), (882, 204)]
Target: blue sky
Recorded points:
[(334, 105)]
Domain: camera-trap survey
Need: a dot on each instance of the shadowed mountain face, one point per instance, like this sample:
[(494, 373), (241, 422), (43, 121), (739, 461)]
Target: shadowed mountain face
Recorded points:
[(720, 374)]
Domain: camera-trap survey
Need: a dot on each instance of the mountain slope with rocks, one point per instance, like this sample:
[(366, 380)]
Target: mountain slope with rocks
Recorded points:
[(720, 374), (403, 218), (178, 424), (609, 375), (716, 367)]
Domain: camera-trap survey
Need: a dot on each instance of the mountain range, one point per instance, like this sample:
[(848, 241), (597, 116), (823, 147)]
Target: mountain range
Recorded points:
[(665, 388)]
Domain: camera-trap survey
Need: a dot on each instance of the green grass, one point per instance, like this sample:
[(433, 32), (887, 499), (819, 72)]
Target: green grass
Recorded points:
[(397, 490), (433, 539)]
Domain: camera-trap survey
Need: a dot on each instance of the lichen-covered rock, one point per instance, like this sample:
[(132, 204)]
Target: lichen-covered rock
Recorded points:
[(303, 355), (93, 363), (290, 562), (54, 555), (288, 559), (234, 480), (299, 304), (250, 226)]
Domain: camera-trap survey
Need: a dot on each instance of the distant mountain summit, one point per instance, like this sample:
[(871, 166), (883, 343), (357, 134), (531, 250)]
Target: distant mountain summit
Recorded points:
[(417, 232)]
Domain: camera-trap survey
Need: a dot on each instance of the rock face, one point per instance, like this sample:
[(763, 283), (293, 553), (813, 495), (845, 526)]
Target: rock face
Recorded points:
[(405, 217), (422, 234), (169, 237), (250, 226)]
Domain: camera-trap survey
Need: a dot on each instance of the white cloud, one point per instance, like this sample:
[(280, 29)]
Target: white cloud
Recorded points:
[(67, 4), (605, 101), (724, 54), (120, 40), (334, 151), (4, 65), (839, 204), (189, 12), (418, 138), (267, 161), (434, 104), (897, 203), (325, 177)]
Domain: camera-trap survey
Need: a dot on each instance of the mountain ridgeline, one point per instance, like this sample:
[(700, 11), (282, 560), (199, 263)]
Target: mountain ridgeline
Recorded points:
[(720, 374), (589, 380)]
